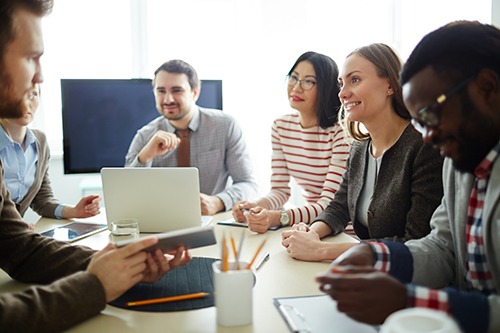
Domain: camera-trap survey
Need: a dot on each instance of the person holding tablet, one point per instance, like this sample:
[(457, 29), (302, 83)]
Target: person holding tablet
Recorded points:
[(308, 145), (25, 155), (393, 180), (74, 283)]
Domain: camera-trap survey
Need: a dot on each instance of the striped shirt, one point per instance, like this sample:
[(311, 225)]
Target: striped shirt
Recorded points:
[(315, 157)]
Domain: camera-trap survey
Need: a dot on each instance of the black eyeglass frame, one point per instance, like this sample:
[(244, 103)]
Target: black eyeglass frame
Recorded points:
[(292, 81), (428, 116)]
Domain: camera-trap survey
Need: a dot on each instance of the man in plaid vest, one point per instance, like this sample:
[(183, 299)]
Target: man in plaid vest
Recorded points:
[(451, 85)]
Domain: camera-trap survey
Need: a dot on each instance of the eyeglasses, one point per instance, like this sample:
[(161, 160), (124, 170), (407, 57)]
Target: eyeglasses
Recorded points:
[(428, 116), (306, 84)]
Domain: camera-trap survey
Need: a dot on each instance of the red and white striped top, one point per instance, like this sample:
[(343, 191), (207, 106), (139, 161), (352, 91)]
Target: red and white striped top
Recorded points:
[(315, 157)]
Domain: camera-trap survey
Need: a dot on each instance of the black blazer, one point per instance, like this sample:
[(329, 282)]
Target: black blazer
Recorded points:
[(408, 190)]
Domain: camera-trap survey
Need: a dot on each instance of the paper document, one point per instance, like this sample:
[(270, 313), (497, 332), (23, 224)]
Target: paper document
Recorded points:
[(317, 314)]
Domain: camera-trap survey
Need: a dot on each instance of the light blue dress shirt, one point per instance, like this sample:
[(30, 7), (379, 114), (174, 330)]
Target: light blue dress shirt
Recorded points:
[(20, 166)]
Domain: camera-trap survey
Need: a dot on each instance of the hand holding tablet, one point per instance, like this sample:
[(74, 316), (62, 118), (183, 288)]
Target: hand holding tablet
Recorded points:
[(188, 238)]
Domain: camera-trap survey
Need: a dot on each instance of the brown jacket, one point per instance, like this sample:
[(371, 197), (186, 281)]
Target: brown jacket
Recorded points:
[(67, 296)]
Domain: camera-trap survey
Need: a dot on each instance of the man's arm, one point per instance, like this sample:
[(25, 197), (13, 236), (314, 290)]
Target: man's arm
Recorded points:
[(240, 167), (52, 308)]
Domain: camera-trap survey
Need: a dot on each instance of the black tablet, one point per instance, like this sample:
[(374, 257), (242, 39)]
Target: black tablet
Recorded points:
[(74, 231), (189, 238)]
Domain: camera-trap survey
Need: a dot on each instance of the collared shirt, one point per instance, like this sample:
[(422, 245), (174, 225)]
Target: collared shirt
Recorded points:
[(20, 166), (478, 273), (217, 149)]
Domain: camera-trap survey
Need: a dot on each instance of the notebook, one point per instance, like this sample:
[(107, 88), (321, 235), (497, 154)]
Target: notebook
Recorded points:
[(316, 314), (162, 199)]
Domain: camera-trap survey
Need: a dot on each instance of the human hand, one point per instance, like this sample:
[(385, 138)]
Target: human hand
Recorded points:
[(301, 227), (363, 293), (158, 263), (158, 145), (260, 219), (358, 255), (87, 206), (118, 269), (302, 245), (210, 204), (240, 207)]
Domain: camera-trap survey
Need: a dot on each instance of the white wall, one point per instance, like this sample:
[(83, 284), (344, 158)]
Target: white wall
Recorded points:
[(67, 187)]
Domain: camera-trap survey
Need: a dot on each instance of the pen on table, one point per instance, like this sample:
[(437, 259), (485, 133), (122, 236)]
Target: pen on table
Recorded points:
[(256, 254), (261, 261), (167, 299)]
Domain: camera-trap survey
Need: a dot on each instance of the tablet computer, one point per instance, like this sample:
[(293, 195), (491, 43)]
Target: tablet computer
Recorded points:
[(189, 238), (74, 231)]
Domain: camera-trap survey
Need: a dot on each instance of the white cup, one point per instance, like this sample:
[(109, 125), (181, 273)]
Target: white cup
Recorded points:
[(419, 320), (125, 229), (233, 294)]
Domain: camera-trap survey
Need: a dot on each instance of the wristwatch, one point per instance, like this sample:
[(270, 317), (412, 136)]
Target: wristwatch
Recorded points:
[(284, 218)]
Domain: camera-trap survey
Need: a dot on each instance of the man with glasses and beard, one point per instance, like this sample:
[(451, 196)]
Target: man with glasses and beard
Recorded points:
[(77, 282), (451, 85)]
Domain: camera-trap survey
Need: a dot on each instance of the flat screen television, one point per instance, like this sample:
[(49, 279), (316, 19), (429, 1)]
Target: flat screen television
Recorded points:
[(101, 117)]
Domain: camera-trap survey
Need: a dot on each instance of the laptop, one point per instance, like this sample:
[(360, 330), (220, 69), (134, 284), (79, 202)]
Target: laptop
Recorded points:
[(162, 199)]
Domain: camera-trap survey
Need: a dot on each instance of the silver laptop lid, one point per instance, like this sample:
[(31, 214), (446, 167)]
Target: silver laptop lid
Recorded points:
[(163, 199)]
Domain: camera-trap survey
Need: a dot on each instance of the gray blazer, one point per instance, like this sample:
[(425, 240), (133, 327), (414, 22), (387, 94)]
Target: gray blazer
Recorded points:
[(438, 259), (408, 190)]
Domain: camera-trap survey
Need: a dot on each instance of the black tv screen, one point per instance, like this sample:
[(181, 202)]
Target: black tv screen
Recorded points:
[(100, 118)]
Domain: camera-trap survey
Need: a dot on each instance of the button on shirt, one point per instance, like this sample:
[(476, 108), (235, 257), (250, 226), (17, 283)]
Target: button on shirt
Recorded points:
[(20, 166)]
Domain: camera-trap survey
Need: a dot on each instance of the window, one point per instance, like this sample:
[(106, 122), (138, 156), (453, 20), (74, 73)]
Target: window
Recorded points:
[(244, 43)]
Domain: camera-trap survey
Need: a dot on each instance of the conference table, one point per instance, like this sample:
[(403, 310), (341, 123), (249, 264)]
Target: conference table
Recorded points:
[(280, 276)]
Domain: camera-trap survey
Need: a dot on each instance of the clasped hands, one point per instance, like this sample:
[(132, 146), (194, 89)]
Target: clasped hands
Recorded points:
[(257, 218)]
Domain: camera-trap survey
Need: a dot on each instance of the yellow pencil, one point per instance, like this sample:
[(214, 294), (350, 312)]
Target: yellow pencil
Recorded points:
[(256, 254), (233, 245), (167, 299), (225, 255)]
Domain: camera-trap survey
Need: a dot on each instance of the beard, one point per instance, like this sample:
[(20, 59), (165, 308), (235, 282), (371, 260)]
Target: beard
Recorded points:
[(476, 137), (9, 106)]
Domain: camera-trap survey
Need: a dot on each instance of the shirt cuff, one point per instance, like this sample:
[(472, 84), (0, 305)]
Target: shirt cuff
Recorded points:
[(58, 212), (227, 200), (382, 256), (422, 297)]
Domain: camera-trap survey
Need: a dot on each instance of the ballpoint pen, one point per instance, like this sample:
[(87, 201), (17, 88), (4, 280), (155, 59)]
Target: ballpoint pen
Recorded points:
[(261, 261)]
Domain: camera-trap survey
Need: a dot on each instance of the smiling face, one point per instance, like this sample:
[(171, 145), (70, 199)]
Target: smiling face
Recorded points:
[(363, 92), (20, 68), (468, 128), (300, 99), (174, 97)]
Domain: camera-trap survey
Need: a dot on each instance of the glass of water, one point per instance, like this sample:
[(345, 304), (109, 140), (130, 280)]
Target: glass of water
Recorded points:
[(124, 229)]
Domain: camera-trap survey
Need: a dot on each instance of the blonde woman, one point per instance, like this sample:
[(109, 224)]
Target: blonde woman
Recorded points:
[(393, 181)]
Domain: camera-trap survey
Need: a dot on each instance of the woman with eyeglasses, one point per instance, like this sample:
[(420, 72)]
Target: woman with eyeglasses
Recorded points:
[(25, 155), (393, 181), (308, 145)]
